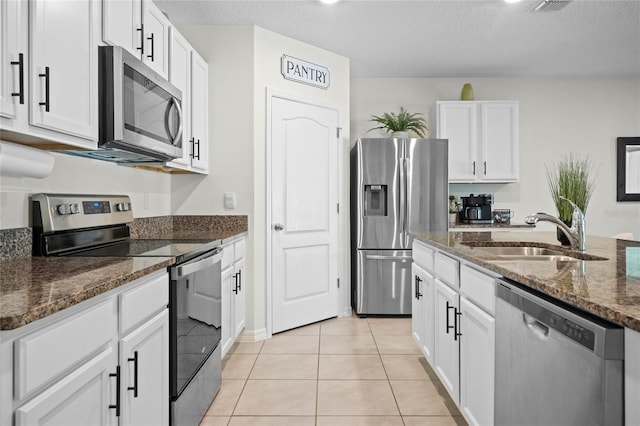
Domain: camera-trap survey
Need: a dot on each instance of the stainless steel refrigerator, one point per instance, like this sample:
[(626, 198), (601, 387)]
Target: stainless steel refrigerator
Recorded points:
[(398, 186)]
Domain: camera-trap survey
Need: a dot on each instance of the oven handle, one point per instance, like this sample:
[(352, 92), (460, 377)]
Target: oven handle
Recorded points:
[(196, 265)]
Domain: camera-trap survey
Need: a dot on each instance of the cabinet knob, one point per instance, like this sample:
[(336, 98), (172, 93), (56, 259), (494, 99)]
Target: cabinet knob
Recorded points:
[(278, 227)]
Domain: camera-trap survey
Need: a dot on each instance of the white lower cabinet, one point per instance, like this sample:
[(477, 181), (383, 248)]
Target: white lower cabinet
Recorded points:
[(453, 323), (104, 361), (80, 398), (477, 355), (233, 288), (447, 343), (144, 355), (423, 311)]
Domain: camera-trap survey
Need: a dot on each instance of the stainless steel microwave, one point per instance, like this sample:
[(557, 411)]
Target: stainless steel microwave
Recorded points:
[(139, 110)]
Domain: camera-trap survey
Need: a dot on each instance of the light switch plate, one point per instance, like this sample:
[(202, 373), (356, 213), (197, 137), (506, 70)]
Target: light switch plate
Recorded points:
[(229, 200)]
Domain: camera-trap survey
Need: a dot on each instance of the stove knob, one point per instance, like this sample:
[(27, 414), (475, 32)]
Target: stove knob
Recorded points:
[(74, 209), (62, 209), (123, 207)]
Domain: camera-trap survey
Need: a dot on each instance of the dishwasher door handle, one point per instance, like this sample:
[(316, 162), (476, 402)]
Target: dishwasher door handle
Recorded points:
[(538, 328)]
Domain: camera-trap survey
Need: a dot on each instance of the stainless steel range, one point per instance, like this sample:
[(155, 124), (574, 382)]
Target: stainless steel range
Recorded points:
[(98, 226)]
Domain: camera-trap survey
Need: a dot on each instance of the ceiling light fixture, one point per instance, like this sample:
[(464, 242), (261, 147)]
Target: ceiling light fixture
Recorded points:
[(512, 1), (329, 1)]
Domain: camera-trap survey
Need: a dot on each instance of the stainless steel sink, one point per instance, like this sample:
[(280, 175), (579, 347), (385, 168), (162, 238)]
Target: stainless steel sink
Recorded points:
[(505, 252)]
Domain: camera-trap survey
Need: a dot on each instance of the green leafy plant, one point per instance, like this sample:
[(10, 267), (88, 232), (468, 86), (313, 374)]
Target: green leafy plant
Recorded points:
[(403, 122), (571, 178), (453, 204)]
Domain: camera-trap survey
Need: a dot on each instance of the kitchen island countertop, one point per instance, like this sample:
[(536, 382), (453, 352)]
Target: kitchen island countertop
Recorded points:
[(607, 288)]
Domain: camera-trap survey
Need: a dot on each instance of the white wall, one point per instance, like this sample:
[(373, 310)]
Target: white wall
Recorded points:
[(244, 63), (557, 116), (81, 175)]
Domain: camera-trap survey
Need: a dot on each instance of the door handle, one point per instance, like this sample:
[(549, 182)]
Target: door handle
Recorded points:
[(141, 48), (396, 258), (151, 56), (20, 64), (539, 329), (46, 89), (134, 388), (278, 227), (418, 281), (116, 406), (449, 327), (456, 326)]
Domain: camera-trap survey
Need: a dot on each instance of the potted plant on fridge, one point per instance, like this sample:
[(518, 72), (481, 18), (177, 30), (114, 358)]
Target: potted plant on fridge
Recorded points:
[(404, 122), (570, 178)]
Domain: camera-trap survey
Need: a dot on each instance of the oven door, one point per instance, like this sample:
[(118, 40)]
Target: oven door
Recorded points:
[(195, 317)]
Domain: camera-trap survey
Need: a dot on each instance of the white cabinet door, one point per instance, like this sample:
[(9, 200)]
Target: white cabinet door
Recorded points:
[(199, 113), (477, 357), (228, 283), (457, 123), (447, 342), (180, 76), (83, 397), (483, 139), (144, 365), (122, 24), (13, 58), (156, 43), (417, 312), (64, 67), (499, 139), (632, 376), (423, 311), (238, 298)]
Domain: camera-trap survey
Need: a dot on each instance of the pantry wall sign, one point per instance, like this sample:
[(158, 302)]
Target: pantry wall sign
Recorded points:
[(305, 72)]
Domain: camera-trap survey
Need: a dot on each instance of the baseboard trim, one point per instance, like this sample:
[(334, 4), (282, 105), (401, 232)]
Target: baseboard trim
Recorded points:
[(248, 336)]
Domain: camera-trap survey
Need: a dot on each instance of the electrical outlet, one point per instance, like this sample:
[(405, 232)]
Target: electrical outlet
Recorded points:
[(229, 200)]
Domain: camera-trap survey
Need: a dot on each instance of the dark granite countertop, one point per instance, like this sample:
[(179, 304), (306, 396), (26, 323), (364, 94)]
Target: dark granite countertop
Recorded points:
[(607, 288), (491, 225), (32, 288)]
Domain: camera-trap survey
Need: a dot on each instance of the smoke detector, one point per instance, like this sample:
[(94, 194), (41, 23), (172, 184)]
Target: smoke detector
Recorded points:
[(550, 5)]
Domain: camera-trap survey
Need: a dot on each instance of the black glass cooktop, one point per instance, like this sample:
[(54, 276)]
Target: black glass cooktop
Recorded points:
[(148, 248)]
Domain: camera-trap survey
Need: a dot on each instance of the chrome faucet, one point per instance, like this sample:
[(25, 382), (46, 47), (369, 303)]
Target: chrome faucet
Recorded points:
[(575, 234)]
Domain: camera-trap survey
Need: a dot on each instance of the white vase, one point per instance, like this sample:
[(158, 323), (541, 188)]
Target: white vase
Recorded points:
[(400, 135)]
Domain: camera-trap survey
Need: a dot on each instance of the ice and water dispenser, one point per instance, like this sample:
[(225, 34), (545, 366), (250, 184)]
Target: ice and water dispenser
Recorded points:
[(375, 200)]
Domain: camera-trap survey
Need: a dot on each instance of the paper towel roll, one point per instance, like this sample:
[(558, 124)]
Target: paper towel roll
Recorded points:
[(23, 161)]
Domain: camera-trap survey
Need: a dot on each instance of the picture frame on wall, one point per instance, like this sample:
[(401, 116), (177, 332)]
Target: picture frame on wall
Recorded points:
[(628, 169)]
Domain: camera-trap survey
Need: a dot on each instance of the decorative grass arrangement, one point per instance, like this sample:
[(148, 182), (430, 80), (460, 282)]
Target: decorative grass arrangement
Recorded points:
[(403, 122), (571, 178)]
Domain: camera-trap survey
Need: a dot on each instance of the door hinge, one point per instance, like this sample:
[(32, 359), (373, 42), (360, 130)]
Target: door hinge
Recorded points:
[(338, 208), (338, 131), (338, 282)]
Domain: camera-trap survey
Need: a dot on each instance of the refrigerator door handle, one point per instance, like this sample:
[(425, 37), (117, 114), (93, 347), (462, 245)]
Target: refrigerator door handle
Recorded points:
[(396, 258), (403, 199)]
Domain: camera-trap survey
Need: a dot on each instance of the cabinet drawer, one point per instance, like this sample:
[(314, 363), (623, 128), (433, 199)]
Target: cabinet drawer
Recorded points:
[(446, 268), (46, 354), (239, 247), (143, 301), (478, 287), (423, 256)]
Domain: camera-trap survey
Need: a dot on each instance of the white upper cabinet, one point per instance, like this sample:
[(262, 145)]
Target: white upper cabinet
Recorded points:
[(483, 139), (189, 73), (141, 28), (156, 34), (122, 24), (64, 67), (13, 58), (49, 76)]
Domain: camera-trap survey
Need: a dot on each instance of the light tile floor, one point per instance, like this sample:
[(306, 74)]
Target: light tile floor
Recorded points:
[(343, 371)]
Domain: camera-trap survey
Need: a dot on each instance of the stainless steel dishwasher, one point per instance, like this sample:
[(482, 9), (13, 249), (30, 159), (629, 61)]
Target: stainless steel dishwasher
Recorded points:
[(555, 365)]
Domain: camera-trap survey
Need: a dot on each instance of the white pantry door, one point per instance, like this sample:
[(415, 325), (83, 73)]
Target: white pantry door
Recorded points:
[(304, 213)]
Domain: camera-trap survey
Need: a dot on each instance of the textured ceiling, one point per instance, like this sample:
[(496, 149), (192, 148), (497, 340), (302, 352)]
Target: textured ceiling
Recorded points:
[(445, 38)]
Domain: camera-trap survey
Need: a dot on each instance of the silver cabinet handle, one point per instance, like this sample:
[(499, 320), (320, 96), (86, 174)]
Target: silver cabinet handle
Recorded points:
[(278, 227)]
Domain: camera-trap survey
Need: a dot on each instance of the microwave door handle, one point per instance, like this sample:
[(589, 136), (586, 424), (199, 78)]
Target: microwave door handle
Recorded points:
[(173, 102)]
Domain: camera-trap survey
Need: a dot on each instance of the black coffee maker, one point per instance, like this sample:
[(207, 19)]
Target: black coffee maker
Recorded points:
[(477, 208)]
